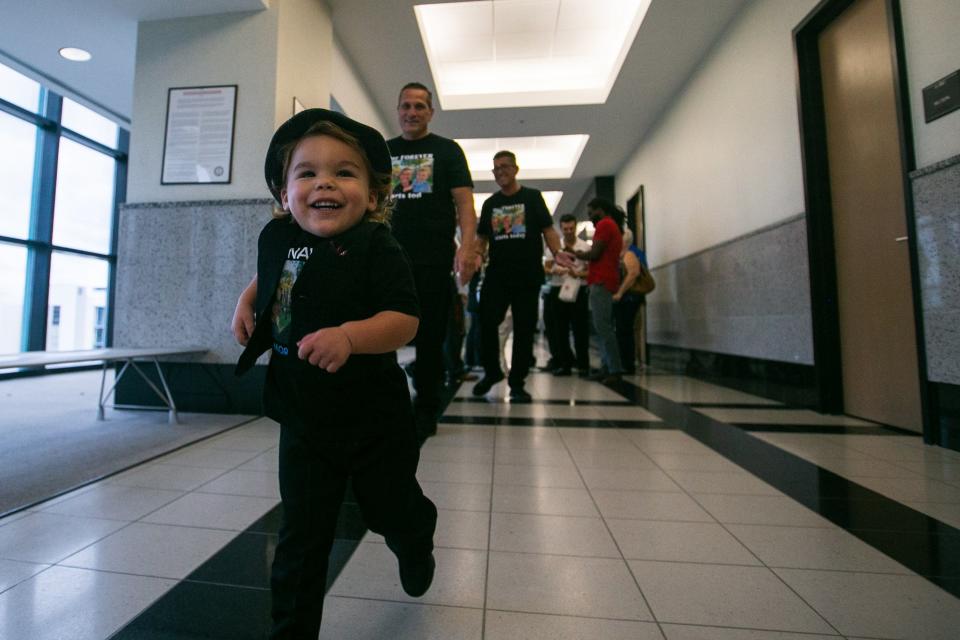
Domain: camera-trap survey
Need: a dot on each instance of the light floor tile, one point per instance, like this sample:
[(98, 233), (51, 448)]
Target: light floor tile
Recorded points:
[(469, 472), (601, 439), (629, 479), (559, 535), (740, 482), (623, 458), (543, 500), (679, 542), (563, 477), (938, 470), (775, 510), (359, 619), (507, 625), (666, 441), (13, 572), (782, 416), (165, 476), (541, 438), (628, 413), (649, 505), (115, 502), (151, 550), (458, 436), (536, 457), (49, 537), (687, 632), (267, 461), (589, 587), (263, 484), (455, 529), (454, 495), (687, 390), (372, 573), (874, 605), (813, 548), (242, 442), (440, 453), (692, 461), (723, 595), (214, 511), (208, 458), (46, 607)]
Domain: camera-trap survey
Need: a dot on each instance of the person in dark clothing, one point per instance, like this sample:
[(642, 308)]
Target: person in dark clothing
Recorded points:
[(334, 300), (512, 222), (424, 222)]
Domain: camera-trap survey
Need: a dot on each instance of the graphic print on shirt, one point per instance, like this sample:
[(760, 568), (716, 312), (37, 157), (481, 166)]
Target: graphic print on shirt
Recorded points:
[(281, 314), (509, 222), (412, 175)]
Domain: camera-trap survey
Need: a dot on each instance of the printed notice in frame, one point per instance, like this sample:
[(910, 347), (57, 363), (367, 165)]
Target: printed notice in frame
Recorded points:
[(198, 142)]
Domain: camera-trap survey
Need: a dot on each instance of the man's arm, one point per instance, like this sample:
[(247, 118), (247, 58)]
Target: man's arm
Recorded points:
[(596, 250), (467, 260), (552, 238)]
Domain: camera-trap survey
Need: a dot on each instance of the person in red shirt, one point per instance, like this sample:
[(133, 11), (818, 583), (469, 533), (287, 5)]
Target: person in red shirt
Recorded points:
[(603, 280)]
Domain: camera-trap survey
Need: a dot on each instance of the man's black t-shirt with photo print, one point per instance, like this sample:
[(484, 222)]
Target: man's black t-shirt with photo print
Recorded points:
[(514, 227), (424, 218)]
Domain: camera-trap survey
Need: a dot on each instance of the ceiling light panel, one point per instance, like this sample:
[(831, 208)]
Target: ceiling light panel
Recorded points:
[(539, 157), (524, 53)]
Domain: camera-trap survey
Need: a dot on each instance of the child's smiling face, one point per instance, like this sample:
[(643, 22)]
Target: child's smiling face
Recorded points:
[(327, 188)]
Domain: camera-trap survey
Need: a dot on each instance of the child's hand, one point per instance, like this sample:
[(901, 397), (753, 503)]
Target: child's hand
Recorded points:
[(325, 348), (242, 323)]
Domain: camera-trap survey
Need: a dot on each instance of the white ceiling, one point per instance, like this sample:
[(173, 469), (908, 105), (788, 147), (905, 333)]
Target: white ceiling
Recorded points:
[(382, 39)]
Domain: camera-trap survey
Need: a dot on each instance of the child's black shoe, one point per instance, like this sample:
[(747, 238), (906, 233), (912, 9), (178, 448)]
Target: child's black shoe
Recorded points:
[(416, 576)]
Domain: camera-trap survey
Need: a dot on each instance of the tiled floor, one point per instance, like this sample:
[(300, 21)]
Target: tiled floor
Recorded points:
[(662, 507)]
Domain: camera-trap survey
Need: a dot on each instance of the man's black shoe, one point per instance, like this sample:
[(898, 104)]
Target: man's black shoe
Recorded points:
[(519, 393), (416, 576), (486, 383)]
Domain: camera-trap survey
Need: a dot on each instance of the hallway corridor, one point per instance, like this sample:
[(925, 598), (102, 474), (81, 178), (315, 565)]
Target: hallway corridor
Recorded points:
[(663, 507)]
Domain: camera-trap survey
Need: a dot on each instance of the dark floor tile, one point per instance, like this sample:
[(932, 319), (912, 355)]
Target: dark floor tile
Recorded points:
[(193, 610), (245, 562), (493, 420), (581, 422), (642, 424)]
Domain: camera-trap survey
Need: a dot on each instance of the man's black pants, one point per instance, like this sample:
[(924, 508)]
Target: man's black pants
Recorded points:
[(434, 293), (495, 298)]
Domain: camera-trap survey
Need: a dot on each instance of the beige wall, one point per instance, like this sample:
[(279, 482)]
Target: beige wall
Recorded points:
[(271, 56), (932, 43), (724, 160), (350, 92)]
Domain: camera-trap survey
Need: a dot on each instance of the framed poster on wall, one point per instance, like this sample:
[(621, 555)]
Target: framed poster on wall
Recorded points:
[(198, 140)]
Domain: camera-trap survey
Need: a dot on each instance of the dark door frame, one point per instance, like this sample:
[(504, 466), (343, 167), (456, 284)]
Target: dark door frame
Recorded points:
[(819, 217)]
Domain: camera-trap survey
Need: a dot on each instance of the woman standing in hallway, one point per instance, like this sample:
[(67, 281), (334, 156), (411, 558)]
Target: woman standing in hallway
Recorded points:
[(627, 304)]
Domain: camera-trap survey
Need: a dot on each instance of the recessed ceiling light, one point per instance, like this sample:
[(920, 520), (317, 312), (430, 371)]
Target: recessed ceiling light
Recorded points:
[(527, 53), (74, 54), (539, 157)]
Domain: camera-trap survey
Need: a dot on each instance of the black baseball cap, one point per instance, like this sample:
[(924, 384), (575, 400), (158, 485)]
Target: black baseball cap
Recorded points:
[(369, 138)]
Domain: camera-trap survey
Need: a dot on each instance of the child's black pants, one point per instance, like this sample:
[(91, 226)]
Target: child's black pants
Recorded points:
[(313, 479)]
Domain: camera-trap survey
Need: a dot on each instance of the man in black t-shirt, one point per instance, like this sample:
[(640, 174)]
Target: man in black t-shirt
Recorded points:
[(512, 222), (425, 220)]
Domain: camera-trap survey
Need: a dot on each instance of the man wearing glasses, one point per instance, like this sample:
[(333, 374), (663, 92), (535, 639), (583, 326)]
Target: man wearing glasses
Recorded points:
[(512, 223)]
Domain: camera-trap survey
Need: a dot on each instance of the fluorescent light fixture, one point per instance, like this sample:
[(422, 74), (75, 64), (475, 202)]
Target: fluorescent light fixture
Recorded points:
[(527, 53), (75, 54), (539, 157), (552, 198)]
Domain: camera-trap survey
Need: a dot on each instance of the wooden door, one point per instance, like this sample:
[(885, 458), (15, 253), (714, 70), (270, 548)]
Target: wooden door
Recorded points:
[(877, 331)]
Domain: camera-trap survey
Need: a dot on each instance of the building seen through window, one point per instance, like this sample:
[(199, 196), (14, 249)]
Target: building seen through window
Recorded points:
[(62, 172)]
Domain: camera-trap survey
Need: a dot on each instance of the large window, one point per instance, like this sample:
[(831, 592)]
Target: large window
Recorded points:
[(62, 176)]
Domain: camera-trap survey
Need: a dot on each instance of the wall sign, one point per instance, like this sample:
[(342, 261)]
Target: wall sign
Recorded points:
[(941, 97), (198, 141)]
